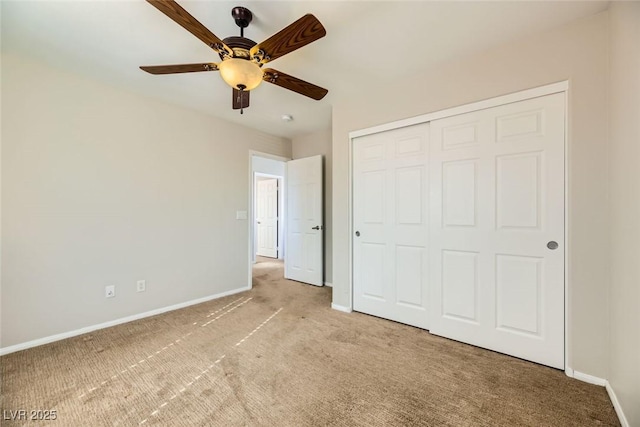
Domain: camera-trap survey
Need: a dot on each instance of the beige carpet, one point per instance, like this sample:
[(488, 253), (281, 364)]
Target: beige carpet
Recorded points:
[(279, 356)]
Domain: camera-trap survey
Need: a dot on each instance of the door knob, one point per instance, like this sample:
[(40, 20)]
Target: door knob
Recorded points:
[(553, 245), (317, 227), (357, 234), (259, 222)]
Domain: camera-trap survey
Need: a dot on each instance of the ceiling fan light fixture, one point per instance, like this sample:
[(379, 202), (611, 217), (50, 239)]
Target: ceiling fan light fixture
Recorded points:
[(240, 73), (242, 58)]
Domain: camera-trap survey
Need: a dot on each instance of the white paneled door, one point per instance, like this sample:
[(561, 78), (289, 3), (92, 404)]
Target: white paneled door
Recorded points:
[(497, 229), (304, 231), (390, 225), (267, 217)]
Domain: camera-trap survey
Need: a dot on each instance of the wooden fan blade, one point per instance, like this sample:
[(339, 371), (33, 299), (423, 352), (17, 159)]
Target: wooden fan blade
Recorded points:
[(240, 99), (174, 11), (180, 68), (292, 83), (302, 32)]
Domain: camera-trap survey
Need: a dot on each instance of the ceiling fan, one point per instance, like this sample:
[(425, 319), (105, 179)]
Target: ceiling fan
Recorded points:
[(242, 58)]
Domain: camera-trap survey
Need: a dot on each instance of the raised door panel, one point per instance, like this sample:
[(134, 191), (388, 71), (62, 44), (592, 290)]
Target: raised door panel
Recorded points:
[(519, 294), (372, 269), (524, 124), (372, 197), (410, 193), (459, 135), (519, 191), (459, 190), (409, 146), (295, 251), (460, 285), (410, 276)]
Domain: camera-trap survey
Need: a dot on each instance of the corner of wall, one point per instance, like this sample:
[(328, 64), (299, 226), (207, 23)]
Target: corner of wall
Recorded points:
[(623, 297)]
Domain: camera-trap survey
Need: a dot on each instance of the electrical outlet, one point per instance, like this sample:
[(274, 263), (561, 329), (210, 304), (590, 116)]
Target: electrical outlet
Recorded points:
[(110, 291), (141, 286)]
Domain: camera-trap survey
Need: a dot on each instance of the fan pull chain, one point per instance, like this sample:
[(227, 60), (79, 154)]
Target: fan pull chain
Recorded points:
[(241, 97)]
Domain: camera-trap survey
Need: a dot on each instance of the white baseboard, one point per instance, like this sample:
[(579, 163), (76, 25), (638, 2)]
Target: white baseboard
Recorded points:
[(87, 329), (589, 378), (341, 308), (604, 383), (616, 405), (329, 284)]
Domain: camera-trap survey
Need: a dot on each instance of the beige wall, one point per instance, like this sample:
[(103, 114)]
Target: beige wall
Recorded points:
[(624, 372), (578, 53), (312, 145), (104, 187)]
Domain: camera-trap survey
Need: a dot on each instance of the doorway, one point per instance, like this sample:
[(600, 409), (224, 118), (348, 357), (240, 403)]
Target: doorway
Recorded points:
[(266, 211), (297, 185)]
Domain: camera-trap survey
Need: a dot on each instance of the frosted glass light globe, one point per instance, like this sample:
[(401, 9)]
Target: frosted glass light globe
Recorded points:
[(240, 72)]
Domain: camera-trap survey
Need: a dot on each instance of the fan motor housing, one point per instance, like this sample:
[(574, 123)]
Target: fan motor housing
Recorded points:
[(240, 46)]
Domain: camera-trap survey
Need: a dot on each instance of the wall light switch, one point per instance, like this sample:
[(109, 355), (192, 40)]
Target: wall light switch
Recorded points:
[(241, 214)]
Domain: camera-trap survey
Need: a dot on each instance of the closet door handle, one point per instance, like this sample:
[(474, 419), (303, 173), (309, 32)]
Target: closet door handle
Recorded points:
[(317, 227), (357, 234)]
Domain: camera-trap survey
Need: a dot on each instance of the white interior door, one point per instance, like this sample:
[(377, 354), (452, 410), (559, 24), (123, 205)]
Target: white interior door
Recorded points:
[(390, 224), (304, 242), (497, 229), (267, 217)]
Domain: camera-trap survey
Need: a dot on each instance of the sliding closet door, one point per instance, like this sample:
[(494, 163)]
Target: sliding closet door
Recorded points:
[(497, 229), (390, 224)]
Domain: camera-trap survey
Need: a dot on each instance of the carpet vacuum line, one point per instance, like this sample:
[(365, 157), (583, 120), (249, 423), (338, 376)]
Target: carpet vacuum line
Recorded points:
[(168, 346), (155, 412)]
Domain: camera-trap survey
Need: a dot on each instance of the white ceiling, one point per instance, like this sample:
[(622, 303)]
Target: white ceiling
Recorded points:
[(367, 44)]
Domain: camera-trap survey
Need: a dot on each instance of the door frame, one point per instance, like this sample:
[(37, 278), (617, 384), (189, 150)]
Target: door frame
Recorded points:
[(251, 213), (553, 88)]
